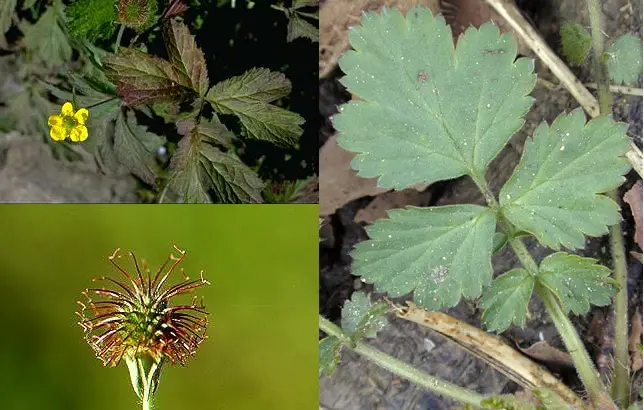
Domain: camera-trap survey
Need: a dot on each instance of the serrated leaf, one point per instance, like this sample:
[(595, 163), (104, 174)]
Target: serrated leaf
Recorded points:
[(551, 400), (247, 96), (625, 59), (299, 27), (576, 281), (255, 85), (361, 318), (198, 167), (47, 38), (135, 147), (329, 354), (7, 8), (429, 112), (186, 56), (92, 19), (506, 301), (440, 253), (553, 191), (142, 79), (575, 41)]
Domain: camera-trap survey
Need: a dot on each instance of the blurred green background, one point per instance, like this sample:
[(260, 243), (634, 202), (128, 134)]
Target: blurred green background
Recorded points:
[(263, 302)]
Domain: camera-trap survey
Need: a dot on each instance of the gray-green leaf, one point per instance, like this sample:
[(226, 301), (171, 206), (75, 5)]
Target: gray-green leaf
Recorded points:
[(506, 301), (329, 354), (551, 400), (553, 191), (440, 253), (7, 8), (361, 318), (625, 59), (429, 112), (577, 281)]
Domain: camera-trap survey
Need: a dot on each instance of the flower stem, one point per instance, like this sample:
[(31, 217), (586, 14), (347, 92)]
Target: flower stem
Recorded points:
[(402, 369), (620, 385)]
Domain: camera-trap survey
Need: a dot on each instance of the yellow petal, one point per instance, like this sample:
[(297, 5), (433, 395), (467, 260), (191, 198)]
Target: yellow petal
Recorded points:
[(68, 109), (79, 133), (58, 133), (55, 121), (81, 116)]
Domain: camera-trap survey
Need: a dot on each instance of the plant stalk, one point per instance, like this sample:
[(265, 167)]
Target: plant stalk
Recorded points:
[(402, 369), (620, 386), (119, 36), (585, 367)]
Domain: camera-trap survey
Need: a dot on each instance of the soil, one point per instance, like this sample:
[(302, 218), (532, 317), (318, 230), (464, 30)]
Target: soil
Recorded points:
[(358, 384)]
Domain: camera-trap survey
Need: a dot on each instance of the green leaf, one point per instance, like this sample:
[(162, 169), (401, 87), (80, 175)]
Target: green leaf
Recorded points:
[(553, 191), (7, 8), (186, 56), (429, 112), (198, 167), (499, 240), (91, 19), (135, 147), (299, 27), (625, 59), (329, 354), (361, 318), (247, 96), (440, 252), (577, 281), (506, 301), (47, 39), (575, 41), (551, 400), (142, 79)]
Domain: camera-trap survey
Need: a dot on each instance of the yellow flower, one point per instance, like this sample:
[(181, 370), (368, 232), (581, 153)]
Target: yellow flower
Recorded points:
[(69, 124)]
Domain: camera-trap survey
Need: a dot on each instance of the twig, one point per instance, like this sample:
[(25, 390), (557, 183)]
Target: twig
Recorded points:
[(491, 349), (620, 89), (533, 39)]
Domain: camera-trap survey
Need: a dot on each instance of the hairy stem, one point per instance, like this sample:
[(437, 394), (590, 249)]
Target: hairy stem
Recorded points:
[(620, 386), (402, 369), (585, 367)]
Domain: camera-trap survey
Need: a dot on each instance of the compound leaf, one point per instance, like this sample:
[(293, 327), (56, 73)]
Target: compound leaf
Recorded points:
[(141, 78), (198, 167), (186, 56), (135, 147), (575, 42), (506, 301), (47, 38), (625, 59), (248, 96), (329, 354), (553, 191), (361, 318), (429, 112), (440, 252), (577, 281)]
